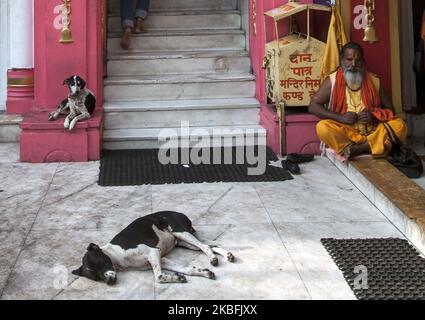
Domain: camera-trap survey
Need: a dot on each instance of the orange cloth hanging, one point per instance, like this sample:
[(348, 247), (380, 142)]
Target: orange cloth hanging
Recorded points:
[(337, 38)]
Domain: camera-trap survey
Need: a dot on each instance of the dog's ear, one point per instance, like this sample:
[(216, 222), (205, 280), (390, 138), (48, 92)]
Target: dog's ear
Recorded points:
[(67, 80), (78, 272), (93, 246)]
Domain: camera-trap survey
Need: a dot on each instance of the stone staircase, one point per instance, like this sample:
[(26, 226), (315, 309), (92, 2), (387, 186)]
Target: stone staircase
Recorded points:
[(190, 65)]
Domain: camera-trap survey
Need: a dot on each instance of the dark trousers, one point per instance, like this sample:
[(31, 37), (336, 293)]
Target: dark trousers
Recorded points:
[(128, 13)]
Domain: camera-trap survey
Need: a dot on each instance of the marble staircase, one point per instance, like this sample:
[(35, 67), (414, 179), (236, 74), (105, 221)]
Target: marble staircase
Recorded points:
[(191, 64)]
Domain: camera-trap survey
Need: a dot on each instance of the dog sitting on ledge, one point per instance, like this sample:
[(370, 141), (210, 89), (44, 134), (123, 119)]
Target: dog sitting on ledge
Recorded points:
[(143, 244), (79, 105)]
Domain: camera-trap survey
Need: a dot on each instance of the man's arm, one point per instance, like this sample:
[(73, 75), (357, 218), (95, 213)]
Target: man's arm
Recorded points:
[(318, 101)]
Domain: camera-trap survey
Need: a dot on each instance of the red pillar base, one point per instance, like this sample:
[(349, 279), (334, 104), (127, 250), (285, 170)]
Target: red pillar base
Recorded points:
[(299, 131), (20, 91), (48, 141)]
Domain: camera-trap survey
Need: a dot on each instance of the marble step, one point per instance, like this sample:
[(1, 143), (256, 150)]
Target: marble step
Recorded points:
[(148, 138), (178, 63), (172, 87), (180, 41), (183, 20), (172, 5), (148, 114), (10, 127)]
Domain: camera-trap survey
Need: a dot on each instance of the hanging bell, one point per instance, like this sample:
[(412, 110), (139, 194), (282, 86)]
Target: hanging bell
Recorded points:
[(66, 35), (370, 34)]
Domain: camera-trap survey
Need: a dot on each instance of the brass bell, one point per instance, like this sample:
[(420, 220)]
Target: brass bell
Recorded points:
[(66, 36), (370, 34)]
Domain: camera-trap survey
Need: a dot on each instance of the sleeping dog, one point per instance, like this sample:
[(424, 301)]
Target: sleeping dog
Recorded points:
[(80, 103), (143, 244)]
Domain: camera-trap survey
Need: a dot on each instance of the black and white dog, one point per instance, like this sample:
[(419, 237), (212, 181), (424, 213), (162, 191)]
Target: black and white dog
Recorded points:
[(80, 103), (143, 244)]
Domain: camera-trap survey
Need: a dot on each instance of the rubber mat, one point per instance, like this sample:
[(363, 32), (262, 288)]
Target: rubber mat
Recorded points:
[(379, 269), (138, 167)]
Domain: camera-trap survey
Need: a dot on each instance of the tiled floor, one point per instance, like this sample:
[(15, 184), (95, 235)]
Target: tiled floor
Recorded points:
[(50, 212)]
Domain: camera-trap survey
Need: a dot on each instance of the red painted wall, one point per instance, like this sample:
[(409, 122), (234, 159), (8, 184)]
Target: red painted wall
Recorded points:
[(378, 54)]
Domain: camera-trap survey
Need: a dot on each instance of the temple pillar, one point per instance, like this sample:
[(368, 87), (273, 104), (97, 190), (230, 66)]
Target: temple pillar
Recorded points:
[(20, 74)]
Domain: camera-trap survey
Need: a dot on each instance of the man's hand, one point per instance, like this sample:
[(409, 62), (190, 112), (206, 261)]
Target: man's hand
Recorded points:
[(366, 117), (349, 118)]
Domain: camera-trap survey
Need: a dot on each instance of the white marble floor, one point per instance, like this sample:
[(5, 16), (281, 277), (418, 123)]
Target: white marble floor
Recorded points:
[(50, 212)]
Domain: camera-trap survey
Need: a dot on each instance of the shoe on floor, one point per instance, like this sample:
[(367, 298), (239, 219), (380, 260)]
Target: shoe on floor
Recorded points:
[(292, 167)]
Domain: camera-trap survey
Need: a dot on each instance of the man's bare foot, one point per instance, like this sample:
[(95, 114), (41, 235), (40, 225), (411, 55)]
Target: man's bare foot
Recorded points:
[(125, 40), (356, 149), (139, 28)]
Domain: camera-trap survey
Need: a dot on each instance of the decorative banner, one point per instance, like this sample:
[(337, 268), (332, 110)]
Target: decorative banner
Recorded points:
[(293, 63), (296, 71)]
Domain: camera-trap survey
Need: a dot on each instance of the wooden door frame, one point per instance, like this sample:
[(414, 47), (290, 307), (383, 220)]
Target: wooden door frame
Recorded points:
[(394, 26)]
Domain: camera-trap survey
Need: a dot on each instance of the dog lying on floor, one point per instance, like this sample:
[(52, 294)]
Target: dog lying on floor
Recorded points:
[(80, 103), (143, 244)]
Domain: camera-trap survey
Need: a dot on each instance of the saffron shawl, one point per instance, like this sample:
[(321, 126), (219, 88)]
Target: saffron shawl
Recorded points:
[(370, 97)]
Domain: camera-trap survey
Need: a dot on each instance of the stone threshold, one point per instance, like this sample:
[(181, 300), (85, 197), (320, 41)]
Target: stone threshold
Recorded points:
[(9, 127), (398, 198), (10, 119)]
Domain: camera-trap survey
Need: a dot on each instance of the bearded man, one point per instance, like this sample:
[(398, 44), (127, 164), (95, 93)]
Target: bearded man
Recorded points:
[(356, 108)]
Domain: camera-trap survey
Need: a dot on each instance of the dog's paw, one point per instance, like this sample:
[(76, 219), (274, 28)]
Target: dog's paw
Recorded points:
[(230, 257), (72, 125), (66, 124), (52, 116), (214, 261), (209, 274)]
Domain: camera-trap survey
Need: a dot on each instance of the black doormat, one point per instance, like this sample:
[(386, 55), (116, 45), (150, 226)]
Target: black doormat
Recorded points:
[(141, 166), (379, 269)]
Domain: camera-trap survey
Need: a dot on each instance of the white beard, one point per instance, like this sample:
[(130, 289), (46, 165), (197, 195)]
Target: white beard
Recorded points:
[(353, 79)]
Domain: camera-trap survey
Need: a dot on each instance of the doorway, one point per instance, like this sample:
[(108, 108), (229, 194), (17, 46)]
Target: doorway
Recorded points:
[(411, 13), (418, 10)]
